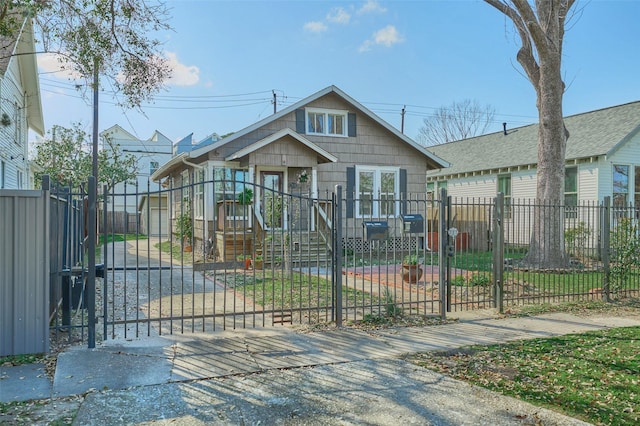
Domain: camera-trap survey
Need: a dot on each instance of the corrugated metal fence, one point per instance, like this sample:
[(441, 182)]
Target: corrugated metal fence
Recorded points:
[(24, 271)]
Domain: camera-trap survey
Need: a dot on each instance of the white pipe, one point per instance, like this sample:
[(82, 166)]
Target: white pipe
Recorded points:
[(195, 166)]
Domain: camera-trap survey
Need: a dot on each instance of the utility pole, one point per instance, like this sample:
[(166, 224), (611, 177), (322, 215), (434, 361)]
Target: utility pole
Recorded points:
[(92, 215), (274, 101), (402, 122), (95, 118)]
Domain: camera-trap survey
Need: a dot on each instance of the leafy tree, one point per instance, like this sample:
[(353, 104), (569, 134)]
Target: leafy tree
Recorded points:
[(66, 157), (108, 33), (460, 120), (541, 28)]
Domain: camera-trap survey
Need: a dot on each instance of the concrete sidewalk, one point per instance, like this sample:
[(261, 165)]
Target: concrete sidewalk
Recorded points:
[(278, 376)]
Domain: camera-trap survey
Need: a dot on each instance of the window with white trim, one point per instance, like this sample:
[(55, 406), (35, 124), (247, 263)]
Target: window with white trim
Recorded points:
[(431, 191), (620, 185), (198, 194), (504, 186), (229, 184), (571, 192), (378, 191), (636, 197), (153, 166), (327, 122)]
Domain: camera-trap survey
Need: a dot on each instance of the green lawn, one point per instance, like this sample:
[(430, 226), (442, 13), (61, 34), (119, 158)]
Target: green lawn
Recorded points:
[(593, 376), (289, 290)]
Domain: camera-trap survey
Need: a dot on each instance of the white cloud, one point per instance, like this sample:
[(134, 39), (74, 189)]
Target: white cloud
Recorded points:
[(181, 74), (315, 27), (338, 15), (388, 36), (371, 6), (49, 63)]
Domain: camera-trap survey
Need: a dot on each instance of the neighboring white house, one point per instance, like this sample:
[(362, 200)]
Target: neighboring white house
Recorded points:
[(150, 155), (602, 159), (20, 108)]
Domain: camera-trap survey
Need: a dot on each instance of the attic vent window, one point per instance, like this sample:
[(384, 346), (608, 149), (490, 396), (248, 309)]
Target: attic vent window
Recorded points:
[(327, 122)]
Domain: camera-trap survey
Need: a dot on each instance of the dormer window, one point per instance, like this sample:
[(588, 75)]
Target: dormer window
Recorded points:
[(327, 122)]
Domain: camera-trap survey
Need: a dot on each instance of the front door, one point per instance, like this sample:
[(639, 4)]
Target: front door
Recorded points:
[(272, 205)]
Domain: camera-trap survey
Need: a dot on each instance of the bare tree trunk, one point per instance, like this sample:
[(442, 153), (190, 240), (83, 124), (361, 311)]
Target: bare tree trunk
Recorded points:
[(546, 249), (541, 30)]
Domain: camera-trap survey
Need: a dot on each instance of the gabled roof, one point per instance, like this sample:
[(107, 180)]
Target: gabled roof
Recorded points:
[(211, 139), (159, 137), (23, 51), (183, 145), (331, 89), (591, 134), (117, 129), (30, 79), (324, 156)]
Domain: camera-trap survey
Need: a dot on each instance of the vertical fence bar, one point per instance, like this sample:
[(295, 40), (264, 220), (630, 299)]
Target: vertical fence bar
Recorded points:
[(105, 292), (498, 253), (442, 254), (604, 246), (337, 271), (91, 277)]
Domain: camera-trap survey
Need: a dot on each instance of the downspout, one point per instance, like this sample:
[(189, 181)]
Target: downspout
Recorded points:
[(195, 166)]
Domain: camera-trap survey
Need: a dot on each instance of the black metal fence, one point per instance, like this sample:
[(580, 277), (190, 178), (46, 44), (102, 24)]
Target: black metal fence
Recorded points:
[(67, 262), (225, 254)]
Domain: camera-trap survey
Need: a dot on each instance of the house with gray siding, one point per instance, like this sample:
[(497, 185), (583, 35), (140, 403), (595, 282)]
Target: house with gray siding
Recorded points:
[(602, 159), (323, 140), (20, 108), (138, 198)]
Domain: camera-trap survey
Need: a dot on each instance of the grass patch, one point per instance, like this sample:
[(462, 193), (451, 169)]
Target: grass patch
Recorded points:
[(292, 290), (594, 376), (629, 306), (13, 360), (176, 250), (110, 238)]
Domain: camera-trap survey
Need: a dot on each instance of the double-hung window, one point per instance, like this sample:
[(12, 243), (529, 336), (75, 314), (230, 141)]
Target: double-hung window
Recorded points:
[(620, 185), (327, 122), (571, 192), (504, 186), (198, 194), (378, 191), (620, 189)]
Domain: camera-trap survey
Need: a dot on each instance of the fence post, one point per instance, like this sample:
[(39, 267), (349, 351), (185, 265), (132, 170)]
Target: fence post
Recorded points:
[(498, 253), (442, 255), (337, 254), (91, 272), (105, 206), (605, 238)]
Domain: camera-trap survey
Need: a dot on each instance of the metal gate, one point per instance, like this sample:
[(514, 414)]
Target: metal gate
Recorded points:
[(232, 260)]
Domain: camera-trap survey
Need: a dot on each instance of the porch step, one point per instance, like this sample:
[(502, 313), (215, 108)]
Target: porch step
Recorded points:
[(305, 250)]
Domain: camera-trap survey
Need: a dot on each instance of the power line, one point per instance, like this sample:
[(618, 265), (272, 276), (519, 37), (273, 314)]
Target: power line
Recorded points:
[(227, 101)]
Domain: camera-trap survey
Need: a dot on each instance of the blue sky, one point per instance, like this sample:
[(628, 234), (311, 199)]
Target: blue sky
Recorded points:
[(229, 56)]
